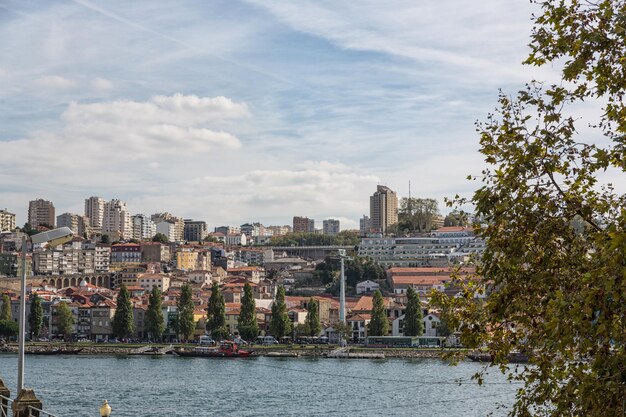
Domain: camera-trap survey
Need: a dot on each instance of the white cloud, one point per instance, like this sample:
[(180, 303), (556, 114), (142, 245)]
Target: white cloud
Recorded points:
[(56, 82), (101, 84)]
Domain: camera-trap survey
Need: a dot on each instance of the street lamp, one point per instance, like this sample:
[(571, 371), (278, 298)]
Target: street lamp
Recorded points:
[(105, 409), (52, 238), (342, 287)]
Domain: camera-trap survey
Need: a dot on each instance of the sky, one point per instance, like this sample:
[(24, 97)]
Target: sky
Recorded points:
[(250, 110)]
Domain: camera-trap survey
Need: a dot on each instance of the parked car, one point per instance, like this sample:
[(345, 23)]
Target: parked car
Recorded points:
[(266, 340), (206, 341)]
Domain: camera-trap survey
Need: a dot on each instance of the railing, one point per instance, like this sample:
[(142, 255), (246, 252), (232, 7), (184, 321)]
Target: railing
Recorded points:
[(5, 406), (35, 412)]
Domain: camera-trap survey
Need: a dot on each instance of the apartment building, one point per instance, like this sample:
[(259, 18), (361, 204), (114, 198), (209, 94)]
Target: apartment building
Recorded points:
[(78, 224), (330, 227), (177, 234), (7, 221), (383, 209), (116, 220), (195, 230), (41, 212), (94, 211), (303, 225), (143, 227)]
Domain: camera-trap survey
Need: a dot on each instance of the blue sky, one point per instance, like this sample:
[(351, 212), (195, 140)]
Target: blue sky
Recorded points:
[(236, 111)]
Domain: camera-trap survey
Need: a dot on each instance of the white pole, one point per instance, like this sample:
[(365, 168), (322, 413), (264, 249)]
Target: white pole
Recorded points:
[(22, 322), (342, 295)]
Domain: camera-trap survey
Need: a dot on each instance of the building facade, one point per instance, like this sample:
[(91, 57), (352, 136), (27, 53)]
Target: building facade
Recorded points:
[(195, 230), (78, 224), (365, 225), (7, 221), (303, 225), (383, 209), (178, 232), (116, 220), (143, 227), (41, 212), (330, 227), (94, 211)]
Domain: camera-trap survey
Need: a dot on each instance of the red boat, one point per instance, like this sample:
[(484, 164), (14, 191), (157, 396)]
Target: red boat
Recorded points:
[(227, 349)]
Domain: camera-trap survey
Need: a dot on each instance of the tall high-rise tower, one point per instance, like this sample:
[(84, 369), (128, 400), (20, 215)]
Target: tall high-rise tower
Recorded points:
[(383, 209), (41, 211), (94, 211), (116, 220)]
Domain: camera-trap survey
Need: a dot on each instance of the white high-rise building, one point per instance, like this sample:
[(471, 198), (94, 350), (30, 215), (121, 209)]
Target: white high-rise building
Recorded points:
[(116, 220), (94, 211), (143, 227)]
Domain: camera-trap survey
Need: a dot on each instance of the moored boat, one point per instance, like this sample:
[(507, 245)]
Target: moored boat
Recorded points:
[(225, 350), (514, 357), (54, 351)]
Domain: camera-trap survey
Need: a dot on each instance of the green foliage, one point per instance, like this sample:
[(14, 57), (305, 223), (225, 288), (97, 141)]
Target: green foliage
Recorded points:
[(35, 317), (105, 239), (301, 330), (185, 325), (361, 269), (155, 323), (123, 322), (313, 318), (211, 239), (559, 289), (379, 325), (413, 317), (65, 320), (280, 325), (457, 218), (29, 230), (160, 238), (247, 321), (216, 314), (5, 310), (9, 328), (343, 330), (343, 238), (416, 215)]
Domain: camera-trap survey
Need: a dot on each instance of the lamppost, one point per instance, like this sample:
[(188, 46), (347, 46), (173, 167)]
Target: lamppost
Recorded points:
[(53, 238), (342, 292)]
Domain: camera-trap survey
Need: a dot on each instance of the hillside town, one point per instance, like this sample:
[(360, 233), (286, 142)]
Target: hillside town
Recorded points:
[(111, 249)]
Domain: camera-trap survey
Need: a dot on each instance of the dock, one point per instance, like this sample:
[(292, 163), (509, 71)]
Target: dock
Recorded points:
[(344, 353)]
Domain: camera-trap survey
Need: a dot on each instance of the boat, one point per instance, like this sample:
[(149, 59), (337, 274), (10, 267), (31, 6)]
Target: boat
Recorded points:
[(514, 357), (226, 349), (55, 351)]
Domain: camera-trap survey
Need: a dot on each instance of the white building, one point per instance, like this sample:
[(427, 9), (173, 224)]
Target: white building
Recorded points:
[(431, 323), (235, 239), (116, 220), (143, 227), (94, 211), (366, 287), (7, 221), (168, 229)]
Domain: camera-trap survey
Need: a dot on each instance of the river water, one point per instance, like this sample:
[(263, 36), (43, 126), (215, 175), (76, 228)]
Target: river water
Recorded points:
[(74, 386)]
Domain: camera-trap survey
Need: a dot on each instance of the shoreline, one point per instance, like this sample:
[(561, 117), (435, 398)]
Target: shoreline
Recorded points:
[(305, 352)]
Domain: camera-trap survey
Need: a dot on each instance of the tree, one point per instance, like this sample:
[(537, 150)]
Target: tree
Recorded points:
[(5, 311), (456, 218), (65, 320), (123, 321), (342, 330), (185, 323), (35, 317), (216, 314), (9, 328), (413, 317), (313, 318), (280, 325), (160, 238), (247, 322), (105, 239), (417, 215), (155, 323), (557, 289), (379, 325)]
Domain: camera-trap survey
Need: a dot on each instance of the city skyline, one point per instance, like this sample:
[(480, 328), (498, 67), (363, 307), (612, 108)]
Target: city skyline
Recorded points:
[(247, 110)]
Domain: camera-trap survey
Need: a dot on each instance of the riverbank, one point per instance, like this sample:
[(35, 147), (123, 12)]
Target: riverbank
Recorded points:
[(301, 351)]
